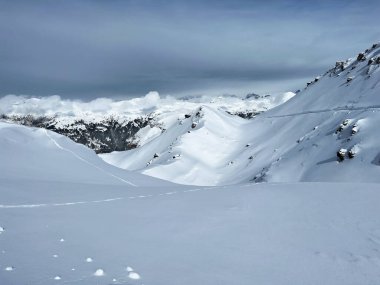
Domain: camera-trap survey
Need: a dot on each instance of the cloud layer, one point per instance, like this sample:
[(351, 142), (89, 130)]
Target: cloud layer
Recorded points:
[(100, 108), (86, 49)]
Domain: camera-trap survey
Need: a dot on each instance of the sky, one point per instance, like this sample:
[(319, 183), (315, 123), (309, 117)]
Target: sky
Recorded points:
[(84, 49)]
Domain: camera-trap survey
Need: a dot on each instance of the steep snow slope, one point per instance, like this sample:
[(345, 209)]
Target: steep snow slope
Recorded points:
[(33, 154), (296, 141), (194, 150), (299, 140)]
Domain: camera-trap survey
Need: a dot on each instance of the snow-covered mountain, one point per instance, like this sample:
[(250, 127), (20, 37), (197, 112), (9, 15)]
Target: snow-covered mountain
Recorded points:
[(106, 125), (66, 217), (327, 132)]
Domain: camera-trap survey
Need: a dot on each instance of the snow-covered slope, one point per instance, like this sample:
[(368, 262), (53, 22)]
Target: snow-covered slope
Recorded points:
[(299, 140), (195, 150), (70, 230), (296, 141), (34, 154), (68, 218)]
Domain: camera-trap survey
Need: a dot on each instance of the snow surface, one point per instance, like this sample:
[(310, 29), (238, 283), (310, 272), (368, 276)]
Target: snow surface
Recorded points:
[(162, 233), (295, 141), (32, 154)]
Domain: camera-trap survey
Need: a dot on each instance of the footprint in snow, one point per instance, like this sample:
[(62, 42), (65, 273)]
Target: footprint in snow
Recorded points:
[(57, 277), (9, 268), (1, 230), (89, 259)]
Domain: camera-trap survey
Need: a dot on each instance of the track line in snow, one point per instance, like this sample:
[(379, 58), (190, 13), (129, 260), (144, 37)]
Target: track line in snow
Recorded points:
[(87, 162), (26, 206), (60, 204), (337, 109)]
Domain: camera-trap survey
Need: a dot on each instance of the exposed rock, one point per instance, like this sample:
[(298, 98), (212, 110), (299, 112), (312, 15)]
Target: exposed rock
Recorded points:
[(341, 154), (354, 129), (245, 114), (339, 65), (104, 136), (361, 57), (252, 95), (351, 153)]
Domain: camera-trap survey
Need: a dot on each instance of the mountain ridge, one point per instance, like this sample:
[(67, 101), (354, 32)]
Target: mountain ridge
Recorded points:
[(105, 125), (302, 139)]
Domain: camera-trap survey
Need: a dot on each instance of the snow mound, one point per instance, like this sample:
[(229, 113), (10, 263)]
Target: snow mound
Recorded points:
[(40, 155), (99, 272), (134, 275)]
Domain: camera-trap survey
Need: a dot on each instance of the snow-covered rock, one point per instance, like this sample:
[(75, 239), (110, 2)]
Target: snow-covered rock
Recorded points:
[(99, 272)]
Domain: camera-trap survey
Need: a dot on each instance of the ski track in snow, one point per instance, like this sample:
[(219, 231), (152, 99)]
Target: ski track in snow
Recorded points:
[(337, 109), (60, 204), (7, 206), (131, 274), (87, 162)]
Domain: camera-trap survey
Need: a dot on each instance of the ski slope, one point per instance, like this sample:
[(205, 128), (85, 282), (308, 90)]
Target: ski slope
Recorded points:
[(66, 217), (295, 141)]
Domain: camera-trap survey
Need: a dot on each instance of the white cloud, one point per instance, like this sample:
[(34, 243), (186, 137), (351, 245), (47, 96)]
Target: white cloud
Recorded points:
[(55, 105), (131, 108)]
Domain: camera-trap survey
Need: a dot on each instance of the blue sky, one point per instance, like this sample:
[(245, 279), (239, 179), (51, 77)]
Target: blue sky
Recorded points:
[(114, 48)]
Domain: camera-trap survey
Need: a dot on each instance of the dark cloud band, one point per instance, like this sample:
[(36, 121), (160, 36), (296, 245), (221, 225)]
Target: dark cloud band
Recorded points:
[(110, 48)]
